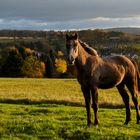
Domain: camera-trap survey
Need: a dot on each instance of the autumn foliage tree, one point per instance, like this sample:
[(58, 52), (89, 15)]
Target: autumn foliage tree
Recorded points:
[(33, 68), (60, 63), (22, 63)]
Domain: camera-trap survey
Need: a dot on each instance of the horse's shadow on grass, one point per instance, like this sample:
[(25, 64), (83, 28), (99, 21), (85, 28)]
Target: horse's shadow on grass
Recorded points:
[(39, 102), (55, 102)]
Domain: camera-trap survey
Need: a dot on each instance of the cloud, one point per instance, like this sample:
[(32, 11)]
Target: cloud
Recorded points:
[(99, 22), (22, 24), (62, 10), (63, 14)]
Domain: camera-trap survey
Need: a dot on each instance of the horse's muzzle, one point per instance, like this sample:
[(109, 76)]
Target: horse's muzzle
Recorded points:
[(71, 61)]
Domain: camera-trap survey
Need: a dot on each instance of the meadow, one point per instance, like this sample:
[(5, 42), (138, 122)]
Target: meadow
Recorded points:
[(53, 109)]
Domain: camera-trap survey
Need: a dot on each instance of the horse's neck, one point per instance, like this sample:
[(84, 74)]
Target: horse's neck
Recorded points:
[(82, 58)]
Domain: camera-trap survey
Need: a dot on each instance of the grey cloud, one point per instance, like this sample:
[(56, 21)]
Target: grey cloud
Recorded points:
[(60, 10), (68, 14)]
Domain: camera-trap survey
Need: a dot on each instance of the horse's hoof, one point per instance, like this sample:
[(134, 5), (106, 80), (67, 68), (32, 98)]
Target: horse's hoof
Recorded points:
[(89, 124), (126, 122), (96, 123)]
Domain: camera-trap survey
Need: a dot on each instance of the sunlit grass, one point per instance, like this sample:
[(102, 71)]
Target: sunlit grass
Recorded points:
[(51, 89), (51, 121), (54, 109)]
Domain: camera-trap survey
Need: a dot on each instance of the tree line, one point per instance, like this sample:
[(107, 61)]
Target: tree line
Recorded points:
[(33, 59), (38, 54)]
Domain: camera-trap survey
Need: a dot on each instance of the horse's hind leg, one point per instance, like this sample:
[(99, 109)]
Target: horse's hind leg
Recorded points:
[(125, 97), (132, 90)]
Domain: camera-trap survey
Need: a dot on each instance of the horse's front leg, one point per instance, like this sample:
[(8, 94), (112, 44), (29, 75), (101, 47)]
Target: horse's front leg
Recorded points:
[(94, 93), (86, 93)]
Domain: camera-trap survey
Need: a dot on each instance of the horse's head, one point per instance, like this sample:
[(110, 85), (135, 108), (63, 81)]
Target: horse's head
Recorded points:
[(72, 47)]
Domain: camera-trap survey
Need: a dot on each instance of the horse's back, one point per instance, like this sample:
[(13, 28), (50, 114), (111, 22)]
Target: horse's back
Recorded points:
[(114, 70), (120, 60)]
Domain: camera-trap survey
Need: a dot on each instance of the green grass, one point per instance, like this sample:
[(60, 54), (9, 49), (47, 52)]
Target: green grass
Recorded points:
[(53, 109)]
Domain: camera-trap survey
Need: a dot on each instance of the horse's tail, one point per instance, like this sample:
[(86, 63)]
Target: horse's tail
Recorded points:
[(137, 75)]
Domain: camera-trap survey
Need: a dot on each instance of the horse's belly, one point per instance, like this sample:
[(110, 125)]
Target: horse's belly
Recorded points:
[(111, 78), (109, 82), (106, 85)]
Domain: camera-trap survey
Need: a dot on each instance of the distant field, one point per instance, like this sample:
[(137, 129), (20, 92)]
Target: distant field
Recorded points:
[(54, 109), (11, 39)]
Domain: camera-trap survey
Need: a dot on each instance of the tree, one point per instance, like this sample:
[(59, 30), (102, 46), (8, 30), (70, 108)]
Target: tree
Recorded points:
[(13, 63), (33, 67), (49, 67), (61, 65)]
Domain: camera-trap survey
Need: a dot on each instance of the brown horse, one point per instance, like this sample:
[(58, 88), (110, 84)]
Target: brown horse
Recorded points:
[(94, 72)]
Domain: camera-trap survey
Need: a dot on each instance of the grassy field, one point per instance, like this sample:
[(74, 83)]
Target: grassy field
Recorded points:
[(53, 109)]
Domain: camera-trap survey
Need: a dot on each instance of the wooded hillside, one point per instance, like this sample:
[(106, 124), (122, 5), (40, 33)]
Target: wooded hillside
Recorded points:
[(42, 53)]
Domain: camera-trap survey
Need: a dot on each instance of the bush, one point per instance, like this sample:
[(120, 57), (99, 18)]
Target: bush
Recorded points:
[(33, 68), (61, 65)]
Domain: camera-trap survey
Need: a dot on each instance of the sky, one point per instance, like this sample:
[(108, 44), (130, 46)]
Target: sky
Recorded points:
[(68, 14)]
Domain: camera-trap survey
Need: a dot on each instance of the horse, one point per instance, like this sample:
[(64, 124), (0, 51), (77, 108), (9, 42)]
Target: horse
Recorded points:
[(95, 72)]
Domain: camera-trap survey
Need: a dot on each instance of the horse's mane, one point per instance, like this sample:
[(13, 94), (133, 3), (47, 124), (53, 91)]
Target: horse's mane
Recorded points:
[(88, 49)]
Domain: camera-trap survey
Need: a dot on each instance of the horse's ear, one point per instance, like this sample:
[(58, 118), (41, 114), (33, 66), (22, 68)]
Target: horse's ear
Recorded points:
[(75, 36)]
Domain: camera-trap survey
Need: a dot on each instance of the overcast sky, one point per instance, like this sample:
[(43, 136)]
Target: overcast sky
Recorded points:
[(68, 14)]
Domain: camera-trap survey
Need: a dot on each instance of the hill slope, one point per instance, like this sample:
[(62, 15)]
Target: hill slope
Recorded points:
[(125, 29)]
